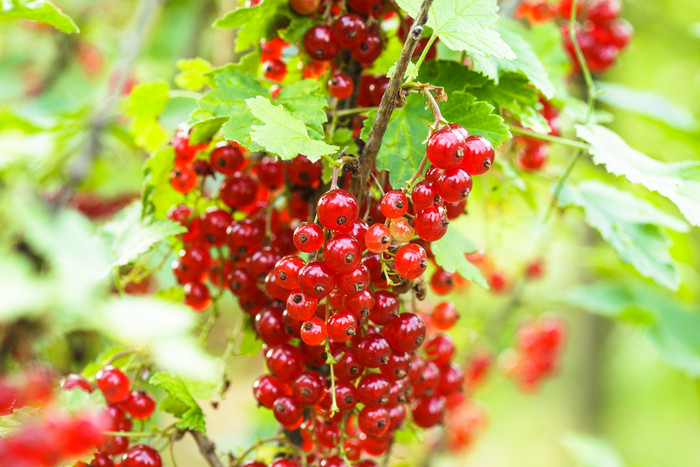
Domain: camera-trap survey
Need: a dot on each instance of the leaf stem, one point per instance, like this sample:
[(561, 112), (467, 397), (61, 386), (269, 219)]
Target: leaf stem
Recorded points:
[(560, 186), (354, 111), (552, 139), (588, 78), (425, 51)]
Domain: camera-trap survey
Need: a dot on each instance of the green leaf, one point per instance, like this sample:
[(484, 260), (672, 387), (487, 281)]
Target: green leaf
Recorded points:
[(403, 145), (38, 10), (615, 301), (248, 64), (547, 43), (410, 75), (158, 194), (648, 104), (129, 236), (464, 25), (204, 131), (450, 253), (591, 451), (144, 105), (633, 227), (250, 343), (231, 89), (192, 72), (525, 60), (306, 102), (179, 402), (679, 182), (284, 134), (262, 21)]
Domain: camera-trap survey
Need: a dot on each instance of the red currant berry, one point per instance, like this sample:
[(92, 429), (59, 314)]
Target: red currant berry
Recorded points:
[(342, 253), (272, 49), (478, 157), (442, 282), (361, 304), (398, 366), (533, 158), (349, 30), (446, 147), (367, 51), (300, 306), (316, 279), (309, 387), (304, 7), (340, 86), (226, 158), (405, 332), (140, 404), (347, 366), (454, 184), (337, 210), (386, 306), (238, 191), (113, 384), (363, 6), (192, 264), (401, 230), (267, 389), (141, 456), (353, 282), (431, 223), (601, 12), (411, 261), (440, 349), (302, 172), (374, 350), (184, 151), (451, 380), (275, 70), (74, 381), (288, 412), (428, 412), (444, 316), (285, 361), (342, 325), (313, 331), (378, 238), (373, 421), (308, 237), (320, 44), (183, 179), (373, 389), (424, 195), (215, 223), (287, 271), (394, 204), (197, 296)]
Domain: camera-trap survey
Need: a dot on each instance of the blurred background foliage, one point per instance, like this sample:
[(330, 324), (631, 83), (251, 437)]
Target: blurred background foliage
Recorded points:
[(621, 381)]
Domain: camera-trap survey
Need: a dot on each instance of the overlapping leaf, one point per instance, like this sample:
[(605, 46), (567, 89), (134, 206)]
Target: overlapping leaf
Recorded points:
[(450, 253), (38, 10), (262, 21)]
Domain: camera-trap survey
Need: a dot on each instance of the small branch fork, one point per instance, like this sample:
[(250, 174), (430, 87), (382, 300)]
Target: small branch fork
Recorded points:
[(358, 183)]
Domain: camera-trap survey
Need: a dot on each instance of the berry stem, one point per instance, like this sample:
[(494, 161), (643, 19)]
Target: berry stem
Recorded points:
[(587, 77), (418, 173), (369, 153), (434, 108), (425, 51), (560, 186), (552, 139)]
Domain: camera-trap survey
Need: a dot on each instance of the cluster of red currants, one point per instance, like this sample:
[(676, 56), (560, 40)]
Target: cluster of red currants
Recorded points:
[(538, 347), (599, 30), (532, 153), (55, 436), (123, 405)]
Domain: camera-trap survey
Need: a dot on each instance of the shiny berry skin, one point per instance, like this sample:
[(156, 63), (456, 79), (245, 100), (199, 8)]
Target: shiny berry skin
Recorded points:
[(288, 412), (359, 231), (401, 230), (269, 324), (342, 253), (411, 261), (113, 383), (302, 172), (284, 361), (374, 350), (337, 210), (405, 332), (428, 412), (114, 445), (431, 223), (267, 389), (140, 404), (347, 366), (377, 90), (378, 238), (349, 30), (316, 279), (320, 44), (243, 237), (308, 387), (226, 158), (440, 349), (192, 264), (300, 306), (238, 191), (451, 379), (533, 158), (261, 262), (363, 6), (215, 223), (361, 304), (74, 381), (304, 7), (287, 271), (373, 420), (308, 237), (183, 179), (367, 51), (398, 366), (275, 70), (340, 86), (342, 325), (454, 184), (446, 147), (353, 282), (424, 195), (478, 157), (444, 316), (442, 282), (141, 456), (284, 462), (601, 12), (373, 389), (101, 460), (394, 204), (197, 296), (184, 151), (386, 306), (313, 331), (345, 395)]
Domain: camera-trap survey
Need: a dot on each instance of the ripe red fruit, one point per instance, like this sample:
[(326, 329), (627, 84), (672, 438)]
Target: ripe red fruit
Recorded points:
[(454, 184), (478, 156), (431, 223), (347, 366), (345, 395), (378, 238), (428, 412), (424, 195), (320, 44), (601, 12), (363, 6), (342, 325), (353, 282), (374, 350), (373, 389), (141, 456), (394, 204), (342, 253), (73, 381), (285, 361), (316, 279), (446, 147), (313, 331), (444, 316), (226, 158), (308, 237), (340, 86), (272, 49), (367, 51), (300, 306), (288, 412), (113, 383), (304, 7), (398, 366), (373, 420), (405, 332), (533, 157), (140, 404), (184, 151), (349, 30), (411, 261), (337, 210), (302, 172), (275, 70), (287, 271), (197, 296), (267, 389), (386, 306), (238, 191), (215, 223), (308, 387), (442, 282), (183, 179)]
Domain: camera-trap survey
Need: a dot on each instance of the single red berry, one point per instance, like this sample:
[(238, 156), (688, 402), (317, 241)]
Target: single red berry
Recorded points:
[(377, 90), (304, 7), (340, 86), (439, 348), (214, 225), (386, 306), (226, 158), (349, 30), (345, 395), (287, 271), (184, 151), (238, 191), (285, 361), (113, 384), (73, 381), (378, 238), (275, 70), (363, 6), (394, 204), (342, 253), (313, 331), (362, 303), (451, 380), (411, 261), (316, 279), (374, 350), (267, 389), (140, 404), (300, 306), (431, 223), (288, 412), (197, 296), (272, 49), (141, 456), (270, 326), (183, 179), (347, 366), (405, 332), (428, 412), (243, 237), (353, 282), (442, 282), (320, 44), (601, 12), (401, 230), (533, 158), (308, 237), (446, 147), (478, 157), (454, 184), (373, 389), (342, 325), (424, 195), (367, 51), (192, 264), (337, 210), (398, 366), (444, 316), (308, 387), (373, 421), (302, 172)]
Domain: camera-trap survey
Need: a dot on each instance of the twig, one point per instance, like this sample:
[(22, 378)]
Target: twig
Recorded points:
[(207, 448), (358, 183), (130, 47)]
